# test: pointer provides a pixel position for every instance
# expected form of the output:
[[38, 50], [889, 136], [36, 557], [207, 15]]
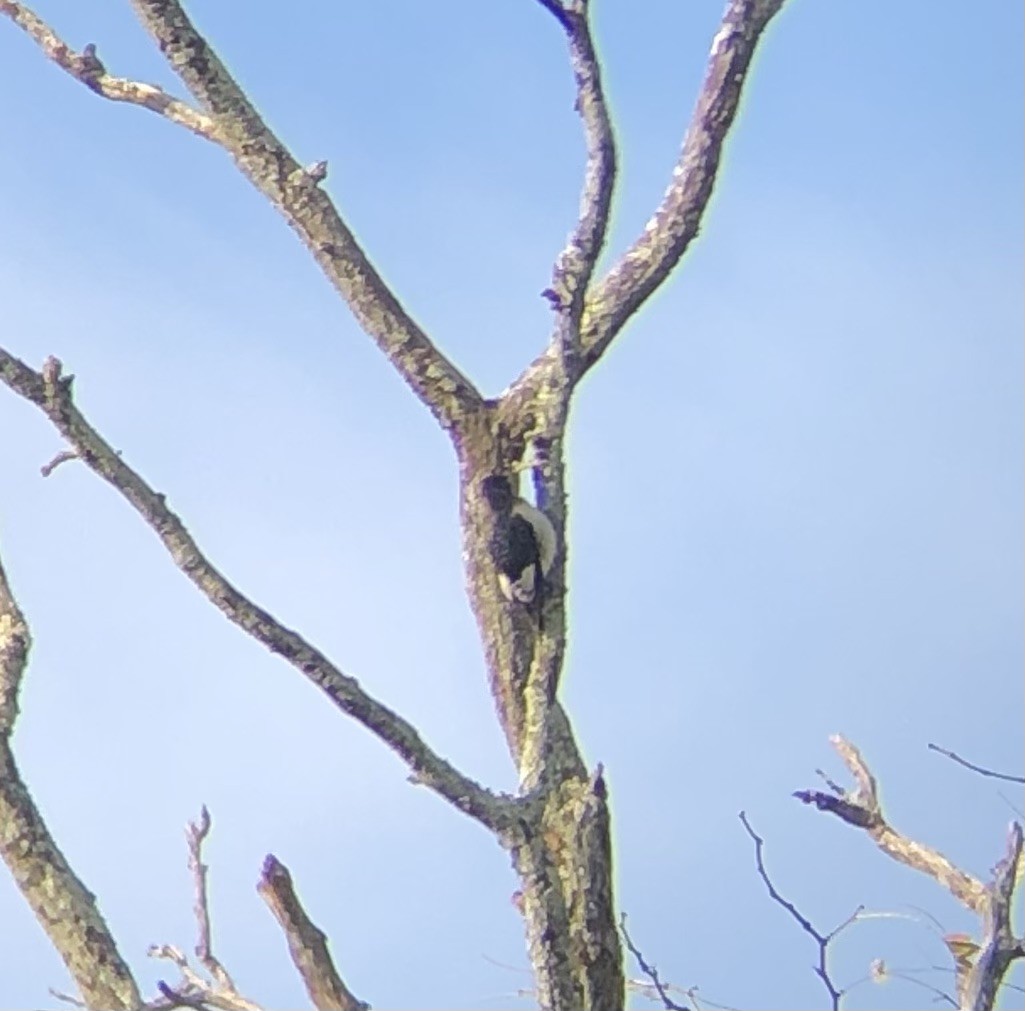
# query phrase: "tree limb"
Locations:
[[51, 392], [666, 236], [862, 809], [307, 943], [271, 168], [611, 301], [999, 946], [231, 121], [87, 68], [575, 264], [65, 908]]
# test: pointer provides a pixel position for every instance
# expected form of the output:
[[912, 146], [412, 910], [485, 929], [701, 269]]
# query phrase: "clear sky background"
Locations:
[[796, 483]]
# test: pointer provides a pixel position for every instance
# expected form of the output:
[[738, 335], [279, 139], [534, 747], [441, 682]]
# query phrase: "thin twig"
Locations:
[[193, 990], [195, 835], [62, 457], [822, 940], [649, 970], [976, 768], [66, 998], [87, 68]]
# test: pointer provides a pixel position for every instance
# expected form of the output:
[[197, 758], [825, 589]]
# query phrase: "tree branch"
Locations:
[[666, 236], [271, 168], [87, 68], [611, 301], [65, 908], [195, 835], [51, 392], [575, 264], [661, 989], [822, 940], [193, 990], [999, 945], [862, 809], [558, 11], [976, 768], [232, 122], [307, 943]]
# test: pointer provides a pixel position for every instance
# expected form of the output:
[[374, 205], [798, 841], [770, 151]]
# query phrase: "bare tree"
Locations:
[[556, 828]]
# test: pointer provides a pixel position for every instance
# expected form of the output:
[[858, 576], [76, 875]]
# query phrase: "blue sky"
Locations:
[[796, 483]]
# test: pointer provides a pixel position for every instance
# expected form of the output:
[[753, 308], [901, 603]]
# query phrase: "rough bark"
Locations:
[[557, 829]]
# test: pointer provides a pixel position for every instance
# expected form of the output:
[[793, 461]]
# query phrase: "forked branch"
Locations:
[[87, 68], [231, 121], [862, 809], [666, 236], [51, 392], [978, 978], [609, 302], [823, 941]]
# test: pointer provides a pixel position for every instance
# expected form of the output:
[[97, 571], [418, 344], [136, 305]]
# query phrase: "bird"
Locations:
[[524, 544]]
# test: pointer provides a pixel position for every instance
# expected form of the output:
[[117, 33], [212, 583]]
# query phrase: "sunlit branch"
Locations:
[[670, 230], [296, 193], [87, 68], [862, 809], [307, 943], [65, 908], [51, 392], [576, 262]]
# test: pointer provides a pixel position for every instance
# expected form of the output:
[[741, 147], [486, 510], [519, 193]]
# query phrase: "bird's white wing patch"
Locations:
[[543, 531]]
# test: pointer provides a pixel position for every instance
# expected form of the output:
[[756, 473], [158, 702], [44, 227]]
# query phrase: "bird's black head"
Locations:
[[498, 492]]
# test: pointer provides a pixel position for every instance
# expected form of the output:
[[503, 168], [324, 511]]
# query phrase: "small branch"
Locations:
[[862, 809], [66, 998], [649, 970], [575, 263], [666, 236], [880, 973], [307, 943], [999, 946], [559, 12], [275, 172], [195, 835], [822, 940], [65, 908], [63, 457], [194, 991], [51, 392], [231, 121], [87, 68], [976, 768]]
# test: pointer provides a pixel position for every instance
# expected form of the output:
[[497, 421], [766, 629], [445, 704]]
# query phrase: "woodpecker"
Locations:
[[524, 543]]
